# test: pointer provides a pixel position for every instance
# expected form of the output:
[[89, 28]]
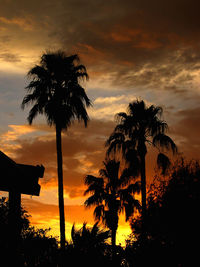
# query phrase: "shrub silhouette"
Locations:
[[37, 248], [172, 220]]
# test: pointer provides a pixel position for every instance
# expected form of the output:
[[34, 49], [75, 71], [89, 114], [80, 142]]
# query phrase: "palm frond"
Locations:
[[120, 117], [163, 163], [55, 83], [28, 99], [125, 177], [37, 72], [89, 179], [134, 188], [136, 108], [130, 207], [33, 113], [95, 185], [112, 171], [93, 200], [114, 143], [164, 141], [132, 158], [157, 127], [153, 111], [99, 212]]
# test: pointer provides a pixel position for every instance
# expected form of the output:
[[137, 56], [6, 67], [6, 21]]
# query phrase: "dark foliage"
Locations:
[[36, 248], [88, 247], [172, 221]]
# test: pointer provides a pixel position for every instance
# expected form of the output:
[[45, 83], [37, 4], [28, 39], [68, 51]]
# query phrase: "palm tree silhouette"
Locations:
[[55, 91], [88, 247], [139, 127], [112, 194], [89, 238]]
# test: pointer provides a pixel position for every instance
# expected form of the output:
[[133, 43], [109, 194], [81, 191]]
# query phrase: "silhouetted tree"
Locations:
[[39, 248], [141, 125], [55, 91], [172, 220], [5, 240], [88, 247], [111, 193], [90, 238], [36, 249]]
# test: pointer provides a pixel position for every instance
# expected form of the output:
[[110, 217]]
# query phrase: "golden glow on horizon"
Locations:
[[122, 233]]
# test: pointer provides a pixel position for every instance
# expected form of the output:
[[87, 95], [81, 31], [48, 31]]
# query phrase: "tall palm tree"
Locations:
[[111, 193], [55, 91], [139, 127]]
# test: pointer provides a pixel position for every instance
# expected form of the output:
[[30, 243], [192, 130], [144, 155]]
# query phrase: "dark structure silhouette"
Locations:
[[112, 193], [17, 179], [141, 125], [56, 92]]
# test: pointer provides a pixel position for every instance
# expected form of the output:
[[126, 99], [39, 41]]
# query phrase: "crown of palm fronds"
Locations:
[[55, 90]]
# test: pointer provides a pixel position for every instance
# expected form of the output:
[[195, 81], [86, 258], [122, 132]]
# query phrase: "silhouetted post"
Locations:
[[144, 205], [17, 179], [14, 224]]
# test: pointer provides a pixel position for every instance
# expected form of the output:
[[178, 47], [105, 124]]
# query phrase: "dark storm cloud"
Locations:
[[187, 132], [139, 43]]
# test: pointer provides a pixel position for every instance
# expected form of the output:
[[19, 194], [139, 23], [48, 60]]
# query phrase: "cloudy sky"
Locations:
[[138, 49]]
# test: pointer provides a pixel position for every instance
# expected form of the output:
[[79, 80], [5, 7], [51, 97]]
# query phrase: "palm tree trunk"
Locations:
[[60, 186], [143, 190], [143, 185], [113, 237], [113, 241]]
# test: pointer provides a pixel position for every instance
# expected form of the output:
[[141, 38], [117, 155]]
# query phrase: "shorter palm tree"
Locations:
[[88, 247], [89, 238], [112, 193]]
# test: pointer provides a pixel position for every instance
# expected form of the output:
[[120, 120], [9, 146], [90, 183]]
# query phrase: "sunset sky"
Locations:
[[137, 49]]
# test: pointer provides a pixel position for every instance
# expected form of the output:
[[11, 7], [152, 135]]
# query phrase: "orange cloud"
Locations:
[[24, 23], [83, 152]]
